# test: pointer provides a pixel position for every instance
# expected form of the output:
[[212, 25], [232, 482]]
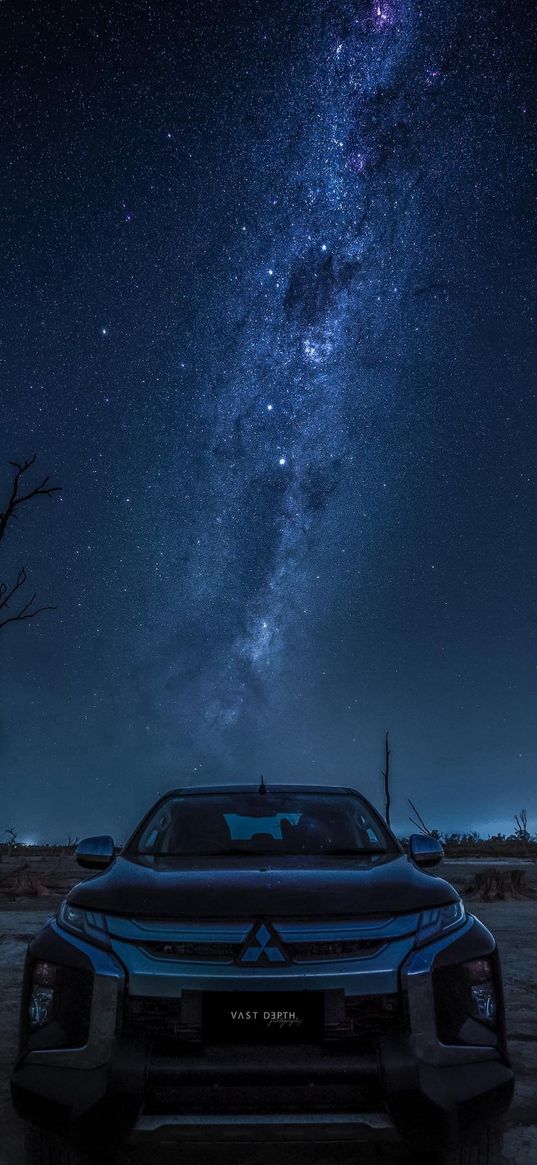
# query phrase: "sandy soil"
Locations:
[[515, 927]]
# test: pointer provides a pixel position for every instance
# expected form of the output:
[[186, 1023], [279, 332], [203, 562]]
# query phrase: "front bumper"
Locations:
[[403, 1084]]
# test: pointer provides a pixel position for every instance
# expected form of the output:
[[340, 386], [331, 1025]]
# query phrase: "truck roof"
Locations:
[[253, 787]]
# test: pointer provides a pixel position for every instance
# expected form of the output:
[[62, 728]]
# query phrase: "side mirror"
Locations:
[[425, 850], [95, 853]]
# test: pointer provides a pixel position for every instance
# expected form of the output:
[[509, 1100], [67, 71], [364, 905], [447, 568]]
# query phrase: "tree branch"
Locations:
[[6, 595], [420, 822], [16, 498], [25, 613]]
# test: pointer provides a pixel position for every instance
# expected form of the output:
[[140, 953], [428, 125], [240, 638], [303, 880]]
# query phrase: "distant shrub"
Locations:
[[471, 844]]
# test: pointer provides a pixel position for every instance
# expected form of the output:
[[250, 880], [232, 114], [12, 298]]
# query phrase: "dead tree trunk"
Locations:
[[22, 883], [498, 884], [386, 775]]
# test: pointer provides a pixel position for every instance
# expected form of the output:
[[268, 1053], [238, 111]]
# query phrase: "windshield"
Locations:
[[251, 823]]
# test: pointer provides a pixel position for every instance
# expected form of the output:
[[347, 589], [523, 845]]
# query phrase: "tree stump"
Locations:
[[23, 884], [496, 884]]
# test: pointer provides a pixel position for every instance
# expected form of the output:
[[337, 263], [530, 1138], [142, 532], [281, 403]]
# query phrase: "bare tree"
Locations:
[[386, 775], [13, 608], [12, 833], [418, 820], [521, 821]]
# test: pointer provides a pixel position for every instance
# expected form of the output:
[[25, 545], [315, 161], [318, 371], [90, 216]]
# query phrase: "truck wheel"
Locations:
[[486, 1150], [46, 1148]]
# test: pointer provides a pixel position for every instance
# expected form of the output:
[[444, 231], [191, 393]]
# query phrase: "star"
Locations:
[[383, 15], [358, 162]]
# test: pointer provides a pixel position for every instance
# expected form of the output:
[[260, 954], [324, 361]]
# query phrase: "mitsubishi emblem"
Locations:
[[262, 946]]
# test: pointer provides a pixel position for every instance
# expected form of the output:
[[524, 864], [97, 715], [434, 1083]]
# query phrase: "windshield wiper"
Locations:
[[214, 853], [235, 851], [359, 853], [251, 853]]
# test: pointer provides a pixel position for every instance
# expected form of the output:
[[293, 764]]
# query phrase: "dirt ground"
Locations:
[[515, 927]]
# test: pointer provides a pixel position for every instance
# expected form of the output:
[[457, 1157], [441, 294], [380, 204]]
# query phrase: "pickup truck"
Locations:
[[262, 964]]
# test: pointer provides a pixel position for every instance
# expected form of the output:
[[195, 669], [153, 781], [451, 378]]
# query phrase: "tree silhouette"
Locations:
[[13, 607], [386, 775], [521, 821]]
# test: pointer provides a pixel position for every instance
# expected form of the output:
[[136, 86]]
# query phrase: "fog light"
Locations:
[[41, 1006], [480, 977], [484, 1002]]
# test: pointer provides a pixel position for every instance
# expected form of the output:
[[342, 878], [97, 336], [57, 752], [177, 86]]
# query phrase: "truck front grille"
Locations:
[[163, 1020], [373, 1015], [194, 951], [299, 952], [336, 949], [246, 1098], [151, 1017]]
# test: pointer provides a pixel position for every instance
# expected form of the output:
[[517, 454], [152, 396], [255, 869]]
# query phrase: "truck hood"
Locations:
[[251, 887]]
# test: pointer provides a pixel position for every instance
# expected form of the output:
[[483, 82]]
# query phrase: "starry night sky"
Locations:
[[268, 317]]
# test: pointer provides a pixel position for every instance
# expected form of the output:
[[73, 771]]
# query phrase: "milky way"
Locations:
[[268, 316], [322, 270]]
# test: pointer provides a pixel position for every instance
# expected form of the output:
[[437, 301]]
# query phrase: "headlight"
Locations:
[[71, 917], [483, 1001], [87, 923], [439, 920]]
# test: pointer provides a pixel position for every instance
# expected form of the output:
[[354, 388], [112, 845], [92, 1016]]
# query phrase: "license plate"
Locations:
[[259, 1018]]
